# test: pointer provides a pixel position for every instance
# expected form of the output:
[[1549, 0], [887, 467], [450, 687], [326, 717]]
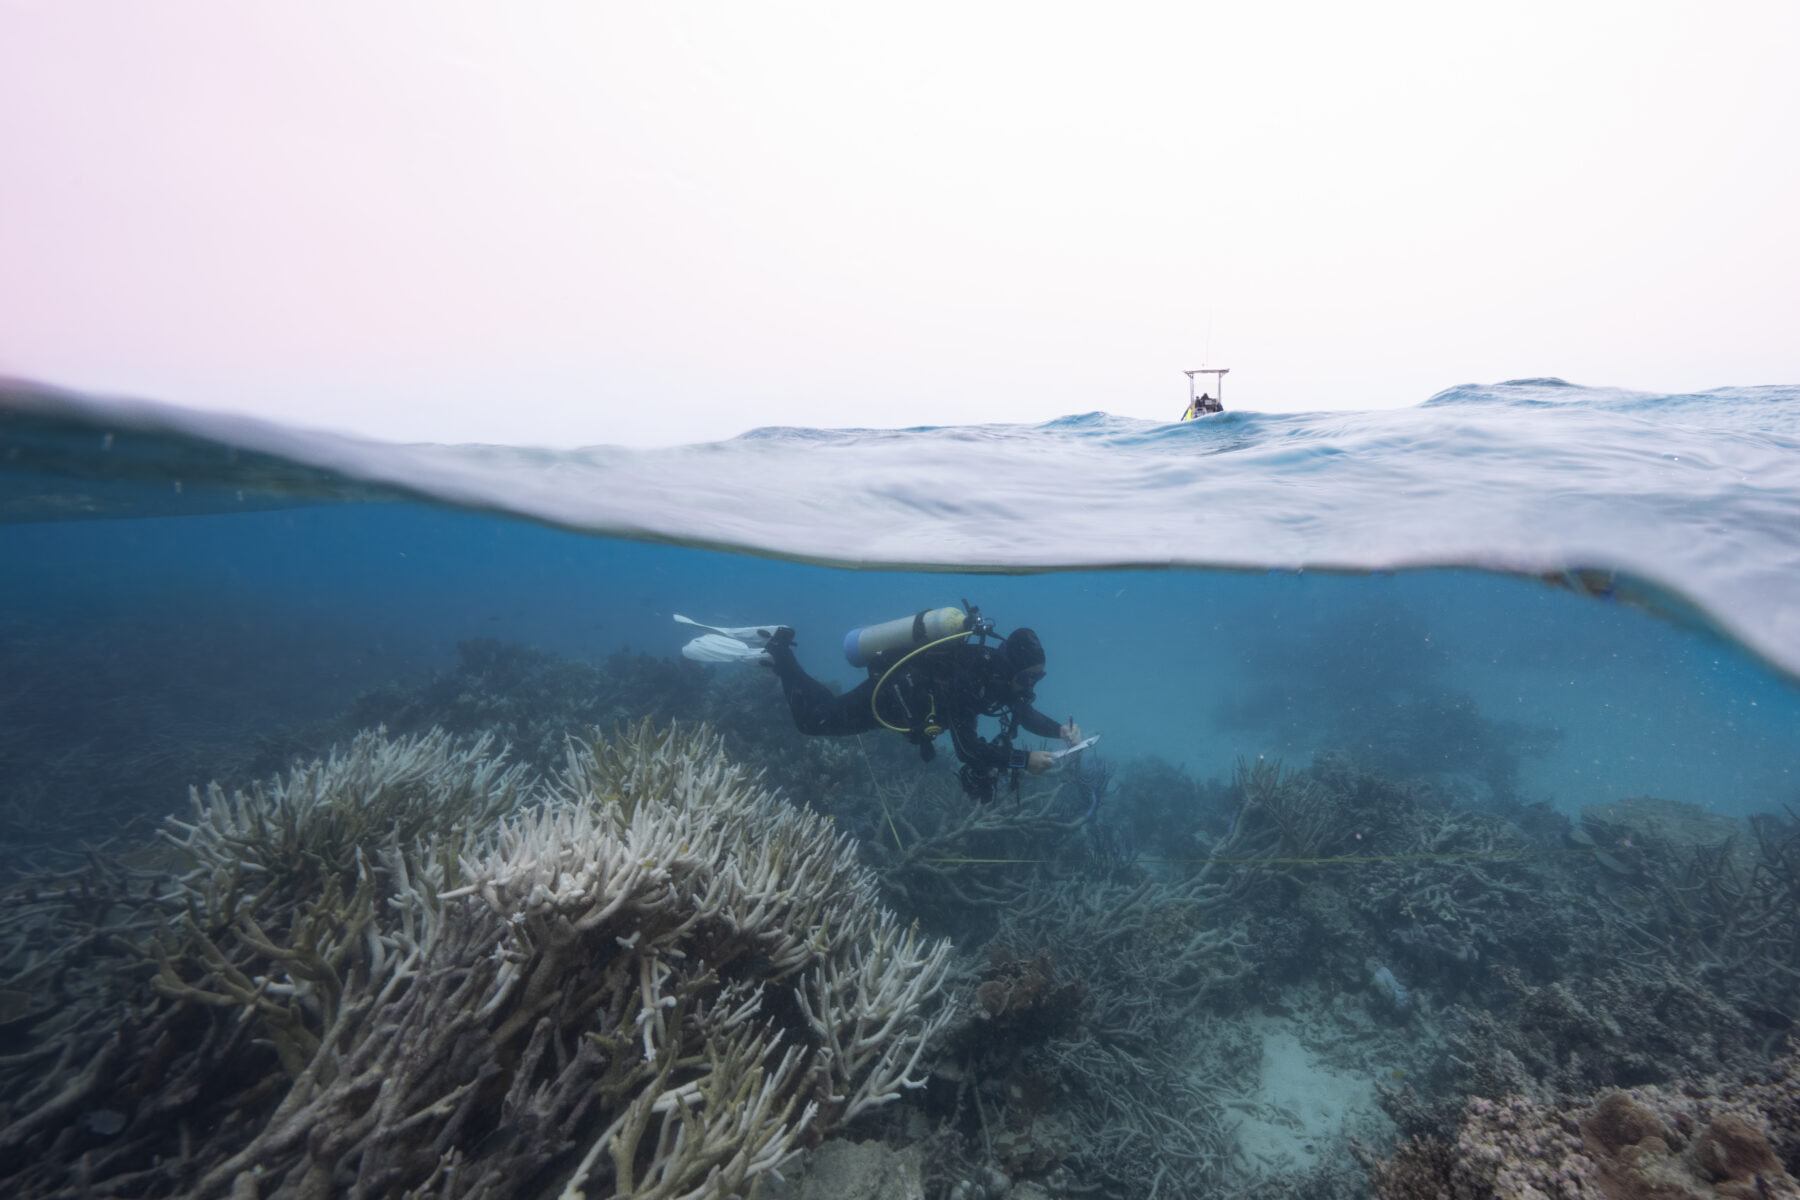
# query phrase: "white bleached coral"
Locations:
[[649, 977], [656, 845], [378, 790]]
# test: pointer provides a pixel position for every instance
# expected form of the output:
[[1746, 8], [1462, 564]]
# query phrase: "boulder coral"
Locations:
[[1717, 1140]]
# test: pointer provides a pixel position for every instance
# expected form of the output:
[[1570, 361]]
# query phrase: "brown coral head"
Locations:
[[1617, 1122], [993, 995], [1014, 983], [1733, 1148]]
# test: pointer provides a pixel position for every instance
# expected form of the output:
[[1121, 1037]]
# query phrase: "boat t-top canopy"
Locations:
[[1218, 392]]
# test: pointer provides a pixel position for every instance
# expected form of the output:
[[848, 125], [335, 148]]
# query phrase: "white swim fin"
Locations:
[[750, 635], [741, 644]]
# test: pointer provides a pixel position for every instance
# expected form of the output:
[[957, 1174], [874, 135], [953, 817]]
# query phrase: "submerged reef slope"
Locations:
[[411, 964], [411, 969]]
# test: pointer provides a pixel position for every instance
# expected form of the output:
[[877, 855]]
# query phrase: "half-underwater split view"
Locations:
[[452, 821]]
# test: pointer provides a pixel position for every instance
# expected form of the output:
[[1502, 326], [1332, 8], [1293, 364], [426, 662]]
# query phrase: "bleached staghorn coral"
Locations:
[[656, 851], [377, 792], [864, 1002], [654, 980], [296, 871], [275, 958]]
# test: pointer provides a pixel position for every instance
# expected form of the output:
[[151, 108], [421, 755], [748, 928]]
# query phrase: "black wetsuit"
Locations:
[[946, 689]]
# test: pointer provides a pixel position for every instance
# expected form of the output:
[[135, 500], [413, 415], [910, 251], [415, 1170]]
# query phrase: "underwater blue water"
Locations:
[[1173, 571]]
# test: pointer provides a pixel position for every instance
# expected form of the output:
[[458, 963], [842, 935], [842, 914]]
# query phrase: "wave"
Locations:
[[1687, 504]]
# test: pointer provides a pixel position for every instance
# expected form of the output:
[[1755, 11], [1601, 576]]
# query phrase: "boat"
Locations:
[[1202, 404]]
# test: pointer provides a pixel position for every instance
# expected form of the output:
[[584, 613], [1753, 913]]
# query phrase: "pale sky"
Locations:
[[568, 223]]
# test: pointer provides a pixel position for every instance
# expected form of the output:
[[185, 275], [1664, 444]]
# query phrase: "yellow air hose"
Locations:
[[876, 694]]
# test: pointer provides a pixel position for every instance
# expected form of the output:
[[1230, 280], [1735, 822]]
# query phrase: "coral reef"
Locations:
[[1717, 897], [403, 970], [845, 1170], [1615, 1028], [1016, 991], [1105, 1076], [1507, 969], [947, 859], [1732, 1139], [501, 961]]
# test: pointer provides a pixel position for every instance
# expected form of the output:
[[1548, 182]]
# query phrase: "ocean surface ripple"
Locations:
[[1688, 504]]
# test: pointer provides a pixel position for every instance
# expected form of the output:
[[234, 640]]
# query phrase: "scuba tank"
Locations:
[[890, 646], [863, 644]]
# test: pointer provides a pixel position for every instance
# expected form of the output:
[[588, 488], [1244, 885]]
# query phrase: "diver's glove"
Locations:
[[1034, 762], [778, 652]]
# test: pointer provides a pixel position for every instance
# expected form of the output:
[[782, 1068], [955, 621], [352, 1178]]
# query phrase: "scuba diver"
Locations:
[[926, 677]]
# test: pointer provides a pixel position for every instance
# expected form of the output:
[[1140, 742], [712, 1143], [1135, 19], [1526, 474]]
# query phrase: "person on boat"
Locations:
[[1200, 406], [941, 690]]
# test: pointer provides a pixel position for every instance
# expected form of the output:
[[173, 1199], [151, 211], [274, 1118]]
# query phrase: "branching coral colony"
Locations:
[[406, 970]]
